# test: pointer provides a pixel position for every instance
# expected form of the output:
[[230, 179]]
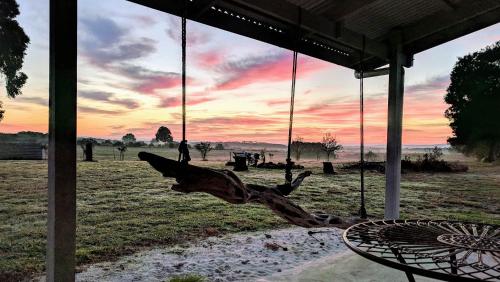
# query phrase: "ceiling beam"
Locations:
[[289, 13], [445, 26], [337, 10], [220, 16]]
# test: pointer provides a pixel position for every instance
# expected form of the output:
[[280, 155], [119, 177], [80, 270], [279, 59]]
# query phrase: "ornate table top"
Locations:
[[446, 250]]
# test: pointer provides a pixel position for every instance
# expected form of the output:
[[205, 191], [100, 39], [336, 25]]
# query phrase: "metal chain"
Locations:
[[362, 210], [183, 146], [288, 172], [288, 168]]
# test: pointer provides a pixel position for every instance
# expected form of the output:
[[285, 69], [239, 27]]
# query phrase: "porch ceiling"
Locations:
[[334, 30]]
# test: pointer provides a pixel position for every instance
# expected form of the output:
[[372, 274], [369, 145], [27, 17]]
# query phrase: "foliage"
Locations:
[[14, 42], [219, 146], [263, 152], [164, 135], [474, 99], [434, 155], [2, 111], [25, 136], [203, 148], [297, 147], [371, 156], [128, 138], [83, 144], [330, 146]]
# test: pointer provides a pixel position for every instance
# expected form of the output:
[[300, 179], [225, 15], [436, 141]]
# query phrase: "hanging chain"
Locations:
[[289, 164], [183, 78], [288, 172], [183, 145], [362, 210]]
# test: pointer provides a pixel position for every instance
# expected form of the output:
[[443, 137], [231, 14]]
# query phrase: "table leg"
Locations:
[[400, 258]]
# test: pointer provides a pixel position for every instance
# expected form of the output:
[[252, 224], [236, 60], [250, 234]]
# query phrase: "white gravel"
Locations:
[[242, 257]]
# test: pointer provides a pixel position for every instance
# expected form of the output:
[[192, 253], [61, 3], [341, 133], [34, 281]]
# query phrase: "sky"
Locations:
[[129, 63]]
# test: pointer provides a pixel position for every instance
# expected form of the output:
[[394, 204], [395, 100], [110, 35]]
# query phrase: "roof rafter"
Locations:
[[445, 26]]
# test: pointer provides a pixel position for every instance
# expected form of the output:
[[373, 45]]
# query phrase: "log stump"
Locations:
[[240, 163], [328, 168], [89, 155]]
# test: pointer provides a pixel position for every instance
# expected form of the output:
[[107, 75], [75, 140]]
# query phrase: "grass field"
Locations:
[[125, 206]]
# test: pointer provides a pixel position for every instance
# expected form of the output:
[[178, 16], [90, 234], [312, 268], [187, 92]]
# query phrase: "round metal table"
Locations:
[[445, 250]]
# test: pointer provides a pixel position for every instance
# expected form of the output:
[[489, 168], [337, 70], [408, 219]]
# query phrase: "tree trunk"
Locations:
[[88, 152], [328, 168]]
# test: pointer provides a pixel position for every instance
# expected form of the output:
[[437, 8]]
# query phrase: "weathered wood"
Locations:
[[225, 185], [60, 258], [394, 133]]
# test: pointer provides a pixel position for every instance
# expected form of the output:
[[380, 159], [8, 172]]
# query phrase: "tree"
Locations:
[[371, 156], [219, 146], [87, 145], [263, 152], [203, 148], [121, 147], [330, 146], [12, 49], [474, 99], [164, 135], [297, 147], [128, 138], [1, 111]]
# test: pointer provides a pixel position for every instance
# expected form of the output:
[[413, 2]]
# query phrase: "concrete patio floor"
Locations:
[[345, 267]]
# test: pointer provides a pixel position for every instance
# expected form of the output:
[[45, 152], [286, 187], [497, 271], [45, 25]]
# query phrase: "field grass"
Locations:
[[125, 206]]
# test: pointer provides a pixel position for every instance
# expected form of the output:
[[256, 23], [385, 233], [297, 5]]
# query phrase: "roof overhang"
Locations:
[[341, 31]]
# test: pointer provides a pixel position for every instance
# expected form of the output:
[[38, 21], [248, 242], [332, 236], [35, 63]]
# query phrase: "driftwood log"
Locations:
[[224, 184]]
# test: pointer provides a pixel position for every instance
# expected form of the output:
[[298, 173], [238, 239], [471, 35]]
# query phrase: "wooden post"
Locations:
[[60, 260], [394, 133]]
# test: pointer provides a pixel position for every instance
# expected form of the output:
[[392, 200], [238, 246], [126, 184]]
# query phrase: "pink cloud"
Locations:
[[269, 68], [209, 59], [155, 83], [170, 102]]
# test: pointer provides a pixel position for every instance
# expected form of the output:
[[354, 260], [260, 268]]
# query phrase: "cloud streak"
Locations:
[[109, 98], [274, 67]]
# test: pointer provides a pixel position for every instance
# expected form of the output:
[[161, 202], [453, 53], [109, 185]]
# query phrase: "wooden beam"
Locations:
[[394, 133], [467, 17], [60, 257]]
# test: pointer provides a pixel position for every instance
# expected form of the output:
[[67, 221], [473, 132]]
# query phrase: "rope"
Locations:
[[288, 172], [288, 168], [362, 210], [184, 157]]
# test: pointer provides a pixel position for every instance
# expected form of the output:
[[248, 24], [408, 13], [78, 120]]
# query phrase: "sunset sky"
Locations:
[[238, 88]]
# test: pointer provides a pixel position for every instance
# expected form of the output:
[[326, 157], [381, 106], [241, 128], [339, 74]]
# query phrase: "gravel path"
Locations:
[[242, 257]]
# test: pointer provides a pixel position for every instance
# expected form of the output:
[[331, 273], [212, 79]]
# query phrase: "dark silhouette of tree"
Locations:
[[297, 147], [474, 99], [128, 138], [203, 148], [330, 146], [12, 49], [121, 147], [164, 135], [371, 156], [1, 111], [87, 144]]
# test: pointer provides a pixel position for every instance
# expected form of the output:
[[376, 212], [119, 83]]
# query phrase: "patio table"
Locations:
[[439, 249]]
